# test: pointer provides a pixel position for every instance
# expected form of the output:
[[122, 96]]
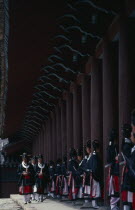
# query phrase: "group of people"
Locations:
[[81, 177]]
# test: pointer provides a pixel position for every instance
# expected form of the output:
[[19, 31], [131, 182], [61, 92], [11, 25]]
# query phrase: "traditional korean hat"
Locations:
[[80, 152], [88, 144], [72, 153], [64, 158], [58, 161], [126, 130], [34, 158], [113, 135], [51, 163], [24, 155], [40, 156], [95, 144]]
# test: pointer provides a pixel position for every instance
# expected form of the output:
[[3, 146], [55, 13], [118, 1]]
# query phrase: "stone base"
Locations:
[[48, 204]]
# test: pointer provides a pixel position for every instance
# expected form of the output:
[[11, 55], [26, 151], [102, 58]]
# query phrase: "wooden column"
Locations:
[[96, 100], [54, 139], [69, 120], [110, 97], [77, 115], [63, 127], [58, 132], [124, 75], [86, 108]]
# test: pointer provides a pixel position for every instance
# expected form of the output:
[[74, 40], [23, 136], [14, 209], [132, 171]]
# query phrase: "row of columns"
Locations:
[[98, 101]]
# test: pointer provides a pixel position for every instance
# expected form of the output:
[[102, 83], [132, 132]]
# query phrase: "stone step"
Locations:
[[9, 204], [48, 204]]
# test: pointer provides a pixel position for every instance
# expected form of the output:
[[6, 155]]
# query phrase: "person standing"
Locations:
[[113, 165], [127, 146], [33, 164], [40, 178], [25, 173], [51, 183], [72, 169], [96, 174]]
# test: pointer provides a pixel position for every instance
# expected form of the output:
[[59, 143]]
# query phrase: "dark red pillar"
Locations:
[[58, 132], [96, 100], [124, 75], [86, 107], [54, 139], [63, 127], [77, 115], [69, 120], [49, 139], [110, 96]]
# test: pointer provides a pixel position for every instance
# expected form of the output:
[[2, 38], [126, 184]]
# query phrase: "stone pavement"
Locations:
[[48, 204], [8, 204]]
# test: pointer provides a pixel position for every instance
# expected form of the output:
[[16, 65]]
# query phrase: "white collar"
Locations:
[[89, 157], [80, 163], [133, 149], [40, 165], [25, 165], [127, 140]]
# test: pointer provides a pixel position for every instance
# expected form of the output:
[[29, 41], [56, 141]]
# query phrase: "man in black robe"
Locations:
[[113, 166], [41, 178], [25, 173], [73, 179], [127, 146], [51, 171], [33, 165]]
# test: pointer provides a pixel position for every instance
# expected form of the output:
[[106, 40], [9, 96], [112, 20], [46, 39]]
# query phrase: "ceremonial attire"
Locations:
[[126, 182], [41, 180], [52, 186], [25, 181], [34, 186], [113, 177], [58, 178], [64, 179], [86, 178], [73, 182], [81, 170]]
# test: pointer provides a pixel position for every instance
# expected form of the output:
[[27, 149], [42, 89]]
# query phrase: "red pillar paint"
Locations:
[[77, 115], [96, 101], [86, 98], [63, 128], [110, 96], [58, 131], [69, 119]]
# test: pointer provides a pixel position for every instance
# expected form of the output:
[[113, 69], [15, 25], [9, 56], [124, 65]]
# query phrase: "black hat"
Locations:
[[88, 144], [24, 155], [64, 158], [80, 152], [95, 144], [113, 135], [51, 163], [126, 129], [72, 153], [34, 158], [133, 117], [40, 156], [58, 161]]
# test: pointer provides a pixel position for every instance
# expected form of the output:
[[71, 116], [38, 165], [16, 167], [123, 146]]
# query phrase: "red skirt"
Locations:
[[24, 190], [129, 197]]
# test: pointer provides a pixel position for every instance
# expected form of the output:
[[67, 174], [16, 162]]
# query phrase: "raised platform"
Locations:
[[48, 204], [8, 204]]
